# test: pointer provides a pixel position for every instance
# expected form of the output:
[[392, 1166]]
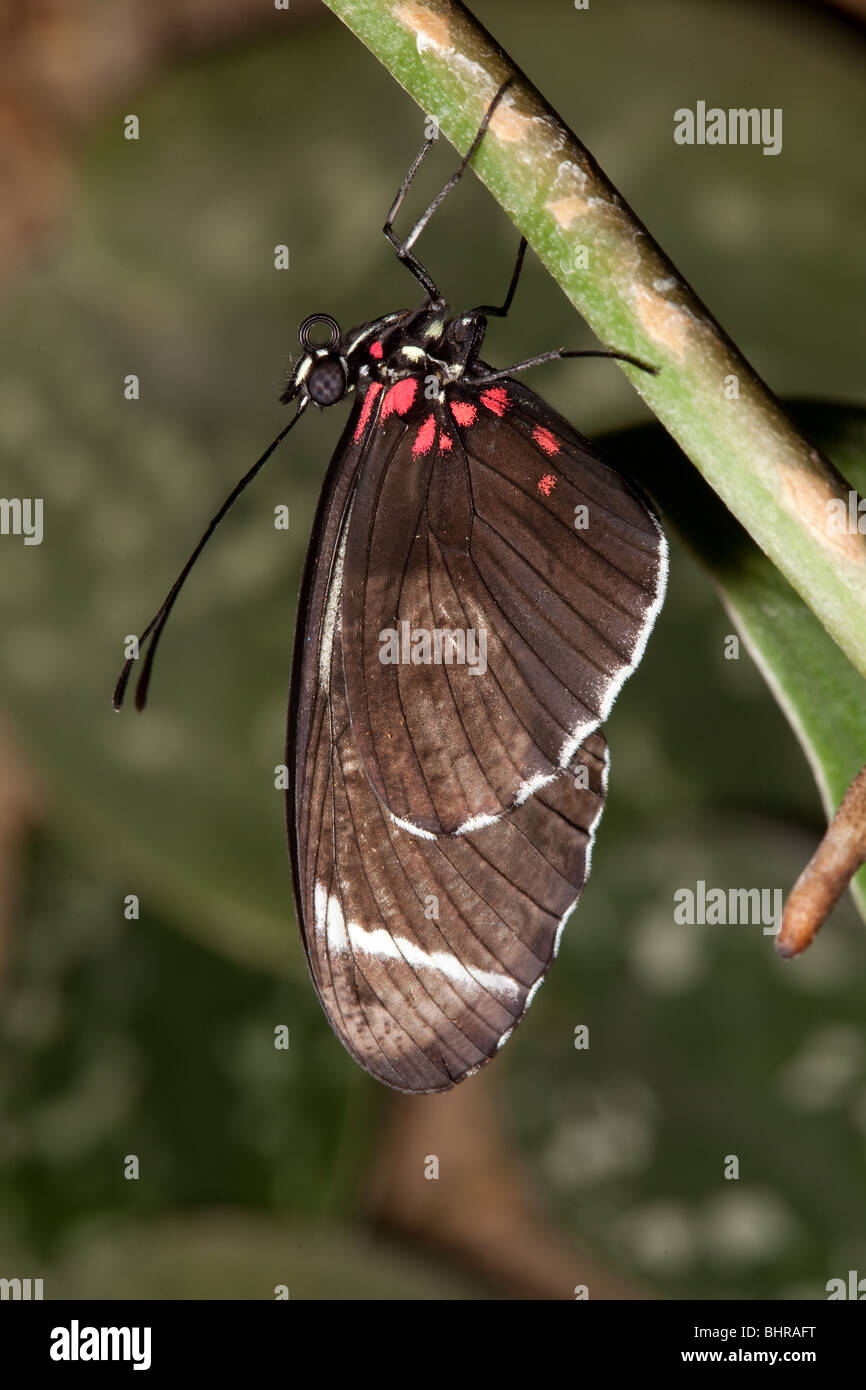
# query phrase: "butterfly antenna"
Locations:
[[153, 631]]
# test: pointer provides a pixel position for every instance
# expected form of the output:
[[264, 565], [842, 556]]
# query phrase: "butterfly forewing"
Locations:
[[319, 602], [494, 530]]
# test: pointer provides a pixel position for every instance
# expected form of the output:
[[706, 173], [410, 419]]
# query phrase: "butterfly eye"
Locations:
[[326, 383]]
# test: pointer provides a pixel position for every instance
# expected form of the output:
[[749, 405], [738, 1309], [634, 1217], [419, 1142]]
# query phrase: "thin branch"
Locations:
[[828, 873]]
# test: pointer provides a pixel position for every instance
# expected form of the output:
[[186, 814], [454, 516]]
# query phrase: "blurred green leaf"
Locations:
[[821, 693], [702, 1044], [122, 1036], [234, 1255]]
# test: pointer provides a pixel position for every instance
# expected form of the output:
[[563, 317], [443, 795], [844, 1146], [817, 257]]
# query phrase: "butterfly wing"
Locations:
[[490, 519], [425, 952]]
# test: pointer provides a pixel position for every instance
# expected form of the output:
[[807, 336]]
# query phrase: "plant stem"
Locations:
[[828, 873], [706, 394]]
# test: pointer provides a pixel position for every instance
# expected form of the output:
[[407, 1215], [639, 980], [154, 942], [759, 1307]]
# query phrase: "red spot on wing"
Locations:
[[463, 412], [545, 440], [496, 399], [446, 443], [372, 392], [547, 484], [399, 397], [424, 438], [376, 350]]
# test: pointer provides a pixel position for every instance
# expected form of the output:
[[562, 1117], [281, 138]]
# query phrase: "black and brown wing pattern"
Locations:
[[494, 521], [427, 952], [426, 948]]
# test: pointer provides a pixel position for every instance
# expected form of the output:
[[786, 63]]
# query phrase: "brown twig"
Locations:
[[828, 873], [482, 1211]]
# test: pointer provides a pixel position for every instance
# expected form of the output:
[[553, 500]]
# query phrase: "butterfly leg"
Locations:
[[558, 355], [500, 310], [403, 246]]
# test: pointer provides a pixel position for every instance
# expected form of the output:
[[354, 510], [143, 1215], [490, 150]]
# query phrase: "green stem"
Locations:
[[706, 394]]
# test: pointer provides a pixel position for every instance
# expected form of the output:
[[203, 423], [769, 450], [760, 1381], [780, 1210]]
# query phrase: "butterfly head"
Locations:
[[322, 375]]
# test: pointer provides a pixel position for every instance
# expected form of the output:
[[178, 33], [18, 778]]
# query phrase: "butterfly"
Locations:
[[478, 586]]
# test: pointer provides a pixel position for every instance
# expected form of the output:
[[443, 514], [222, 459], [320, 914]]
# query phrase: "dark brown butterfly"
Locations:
[[478, 586]]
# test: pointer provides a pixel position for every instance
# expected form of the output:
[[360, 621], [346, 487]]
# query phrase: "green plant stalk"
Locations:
[[705, 394]]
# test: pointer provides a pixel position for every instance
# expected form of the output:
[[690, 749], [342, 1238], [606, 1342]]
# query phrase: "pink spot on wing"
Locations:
[[372, 392], [547, 484], [376, 350], [545, 440], [463, 412], [398, 397], [496, 399], [424, 438], [446, 443]]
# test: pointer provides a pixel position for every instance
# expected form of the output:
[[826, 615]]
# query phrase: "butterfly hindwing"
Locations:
[[426, 953]]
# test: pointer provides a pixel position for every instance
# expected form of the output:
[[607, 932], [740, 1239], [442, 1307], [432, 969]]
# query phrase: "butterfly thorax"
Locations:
[[426, 342]]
